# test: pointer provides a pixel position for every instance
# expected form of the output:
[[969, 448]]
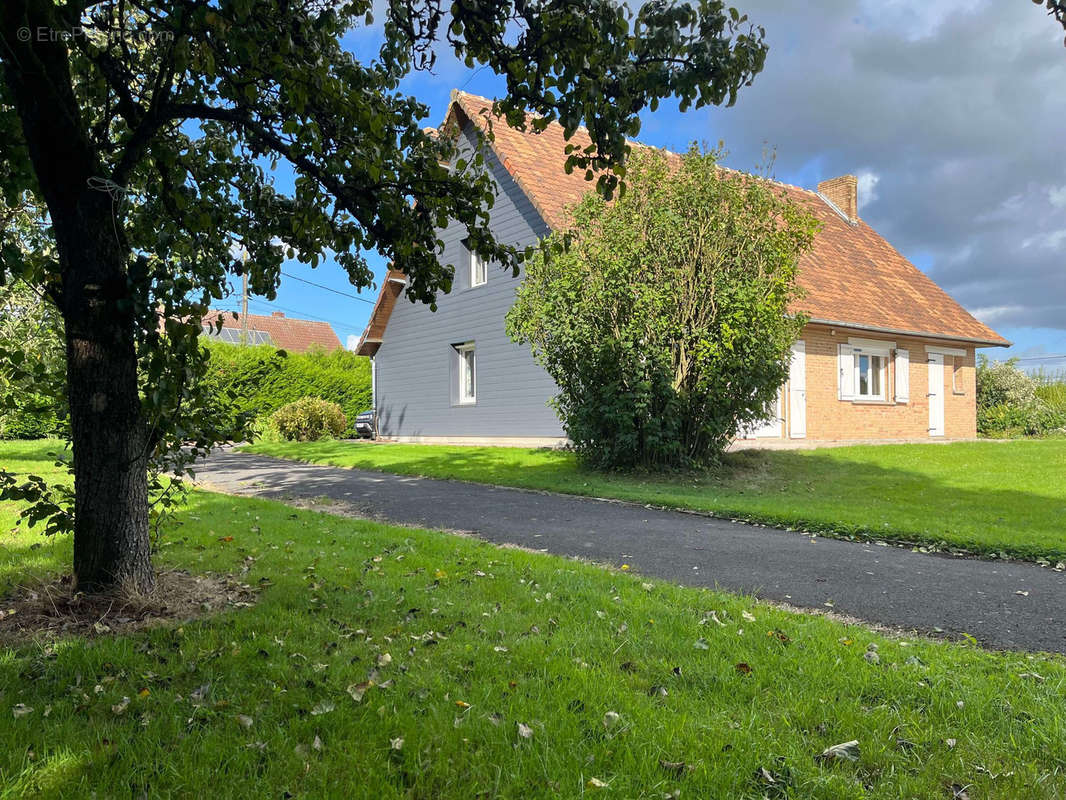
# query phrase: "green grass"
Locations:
[[522, 638], [983, 497]]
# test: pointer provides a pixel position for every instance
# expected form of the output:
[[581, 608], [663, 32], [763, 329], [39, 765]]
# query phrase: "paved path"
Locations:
[[886, 585]]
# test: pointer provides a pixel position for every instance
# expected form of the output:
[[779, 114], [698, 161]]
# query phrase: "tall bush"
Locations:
[[665, 321], [262, 379], [1011, 402]]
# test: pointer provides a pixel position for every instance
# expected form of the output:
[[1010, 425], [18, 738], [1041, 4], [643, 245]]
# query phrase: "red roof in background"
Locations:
[[851, 276], [286, 333]]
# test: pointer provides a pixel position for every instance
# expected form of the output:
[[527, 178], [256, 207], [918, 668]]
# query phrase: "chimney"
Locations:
[[277, 314], [843, 192]]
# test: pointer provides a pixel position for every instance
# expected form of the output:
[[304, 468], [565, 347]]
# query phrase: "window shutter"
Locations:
[[845, 372], [903, 376]]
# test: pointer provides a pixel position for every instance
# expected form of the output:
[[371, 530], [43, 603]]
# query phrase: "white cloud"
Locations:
[[994, 314], [1052, 240], [868, 181], [1057, 196]]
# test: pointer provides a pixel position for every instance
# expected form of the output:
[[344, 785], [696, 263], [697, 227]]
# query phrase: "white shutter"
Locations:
[[845, 372], [797, 391], [903, 376]]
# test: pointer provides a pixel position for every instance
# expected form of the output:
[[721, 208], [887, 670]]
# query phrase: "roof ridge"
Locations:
[[636, 143]]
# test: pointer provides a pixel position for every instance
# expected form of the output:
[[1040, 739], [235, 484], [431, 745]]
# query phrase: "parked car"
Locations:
[[366, 424]]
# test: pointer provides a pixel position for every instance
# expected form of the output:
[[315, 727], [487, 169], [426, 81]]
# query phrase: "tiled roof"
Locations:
[[851, 276], [286, 333]]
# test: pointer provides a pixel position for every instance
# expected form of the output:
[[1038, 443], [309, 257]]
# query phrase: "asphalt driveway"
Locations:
[[1013, 605]]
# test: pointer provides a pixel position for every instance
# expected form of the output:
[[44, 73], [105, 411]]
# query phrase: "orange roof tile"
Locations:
[[851, 277], [286, 333]]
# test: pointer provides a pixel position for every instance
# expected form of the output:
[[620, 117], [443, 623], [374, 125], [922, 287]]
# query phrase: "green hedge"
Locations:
[[263, 379]]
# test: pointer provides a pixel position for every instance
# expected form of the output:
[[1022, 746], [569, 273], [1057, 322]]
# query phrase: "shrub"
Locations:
[[1011, 402], [259, 380], [1002, 383], [665, 321], [309, 419]]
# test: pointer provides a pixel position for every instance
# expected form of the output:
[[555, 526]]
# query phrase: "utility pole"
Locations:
[[244, 298]]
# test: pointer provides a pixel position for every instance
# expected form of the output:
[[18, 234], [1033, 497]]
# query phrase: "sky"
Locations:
[[951, 113]]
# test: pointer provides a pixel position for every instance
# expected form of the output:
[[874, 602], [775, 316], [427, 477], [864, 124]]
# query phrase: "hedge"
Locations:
[[263, 379]]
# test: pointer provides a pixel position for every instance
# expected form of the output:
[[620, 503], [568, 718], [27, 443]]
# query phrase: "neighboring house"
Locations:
[[285, 333], [887, 354]]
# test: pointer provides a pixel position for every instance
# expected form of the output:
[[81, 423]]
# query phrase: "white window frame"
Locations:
[[462, 350], [882, 360], [479, 270]]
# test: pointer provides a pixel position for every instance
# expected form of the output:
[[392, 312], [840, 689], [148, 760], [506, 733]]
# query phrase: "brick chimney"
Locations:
[[843, 192], [277, 314]]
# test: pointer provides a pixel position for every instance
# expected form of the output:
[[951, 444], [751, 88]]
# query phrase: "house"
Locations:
[[284, 333], [887, 354]]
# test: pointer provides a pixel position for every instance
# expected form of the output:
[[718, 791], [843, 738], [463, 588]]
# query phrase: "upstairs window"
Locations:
[[479, 273]]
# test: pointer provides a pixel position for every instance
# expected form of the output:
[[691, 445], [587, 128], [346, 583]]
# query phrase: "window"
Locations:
[[869, 377], [864, 370], [478, 270], [956, 370], [467, 373]]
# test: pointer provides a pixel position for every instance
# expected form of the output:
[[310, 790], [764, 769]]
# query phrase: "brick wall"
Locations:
[[830, 419]]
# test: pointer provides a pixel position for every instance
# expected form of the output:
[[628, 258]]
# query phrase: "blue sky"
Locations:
[[933, 105]]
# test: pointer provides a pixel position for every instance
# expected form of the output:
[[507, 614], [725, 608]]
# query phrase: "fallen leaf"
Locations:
[[317, 743], [951, 743], [462, 704], [701, 644], [959, 792], [397, 743], [872, 657], [525, 731], [357, 690], [845, 750], [743, 668], [748, 616], [322, 708], [245, 721], [384, 660], [21, 710], [199, 694], [611, 718], [121, 706], [596, 783]]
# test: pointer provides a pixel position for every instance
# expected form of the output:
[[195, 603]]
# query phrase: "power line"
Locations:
[[269, 305], [327, 288], [1048, 357]]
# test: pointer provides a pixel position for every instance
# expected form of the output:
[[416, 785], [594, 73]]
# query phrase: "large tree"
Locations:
[[152, 132]]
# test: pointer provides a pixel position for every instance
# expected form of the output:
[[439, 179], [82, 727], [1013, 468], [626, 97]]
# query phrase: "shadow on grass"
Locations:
[[978, 497]]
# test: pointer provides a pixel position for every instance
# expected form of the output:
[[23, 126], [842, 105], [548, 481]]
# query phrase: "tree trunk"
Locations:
[[112, 546]]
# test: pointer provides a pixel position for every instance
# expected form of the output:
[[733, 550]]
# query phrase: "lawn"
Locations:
[[496, 673], [983, 497]]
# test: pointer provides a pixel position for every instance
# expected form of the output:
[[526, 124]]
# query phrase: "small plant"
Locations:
[[309, 419]]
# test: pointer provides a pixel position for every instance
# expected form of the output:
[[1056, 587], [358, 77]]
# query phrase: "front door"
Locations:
[[769, 428], [936, 394]]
